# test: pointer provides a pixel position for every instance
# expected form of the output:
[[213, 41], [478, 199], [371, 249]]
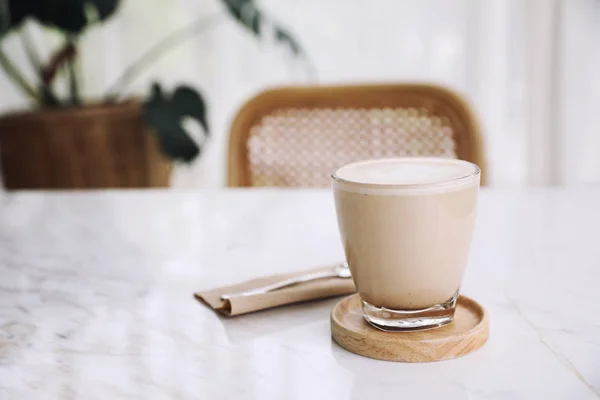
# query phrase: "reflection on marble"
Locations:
[[96, 299]]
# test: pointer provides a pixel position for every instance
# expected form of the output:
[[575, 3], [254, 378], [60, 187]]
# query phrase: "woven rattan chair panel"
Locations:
[[301, 146], [296, 137]]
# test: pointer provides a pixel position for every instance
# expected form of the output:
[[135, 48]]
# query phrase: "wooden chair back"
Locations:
[[297, 136]]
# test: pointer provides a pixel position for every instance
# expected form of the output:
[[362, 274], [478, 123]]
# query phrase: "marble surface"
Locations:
[[96, 299]]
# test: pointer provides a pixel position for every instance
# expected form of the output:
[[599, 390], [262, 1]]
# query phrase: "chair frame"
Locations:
[[436, 99]]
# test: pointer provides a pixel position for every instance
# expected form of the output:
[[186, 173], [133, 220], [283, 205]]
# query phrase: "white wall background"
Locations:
[[529, 67]]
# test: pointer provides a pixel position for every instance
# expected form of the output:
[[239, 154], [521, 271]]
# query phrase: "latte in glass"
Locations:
[[406, 226]]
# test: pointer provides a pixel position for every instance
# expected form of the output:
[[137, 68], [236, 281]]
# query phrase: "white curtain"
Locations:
[[527, 66]]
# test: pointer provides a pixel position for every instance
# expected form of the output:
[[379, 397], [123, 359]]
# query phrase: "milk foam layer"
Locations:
[[406, 176]]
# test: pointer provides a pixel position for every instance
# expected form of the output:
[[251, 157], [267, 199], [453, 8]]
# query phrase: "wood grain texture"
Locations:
[[437, 100], [468, 332], [92, 147]]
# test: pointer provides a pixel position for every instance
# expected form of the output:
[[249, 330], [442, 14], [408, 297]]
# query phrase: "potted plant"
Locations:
[[74, 142]]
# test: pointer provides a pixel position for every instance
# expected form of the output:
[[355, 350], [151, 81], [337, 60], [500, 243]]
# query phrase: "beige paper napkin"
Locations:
[[317, 289]]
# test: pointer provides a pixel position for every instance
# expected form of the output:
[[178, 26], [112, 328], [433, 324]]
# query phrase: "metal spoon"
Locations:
[[340, 271]]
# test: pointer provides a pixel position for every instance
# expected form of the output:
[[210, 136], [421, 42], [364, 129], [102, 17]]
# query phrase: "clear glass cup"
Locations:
[[406, 226]]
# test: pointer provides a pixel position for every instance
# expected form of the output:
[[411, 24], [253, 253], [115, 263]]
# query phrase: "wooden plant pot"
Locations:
[[102, 146]]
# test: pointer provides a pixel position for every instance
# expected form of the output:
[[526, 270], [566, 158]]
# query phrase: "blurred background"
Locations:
[[529, 68]]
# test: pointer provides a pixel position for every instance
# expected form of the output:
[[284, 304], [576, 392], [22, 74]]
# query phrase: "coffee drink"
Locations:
[[406, 226]]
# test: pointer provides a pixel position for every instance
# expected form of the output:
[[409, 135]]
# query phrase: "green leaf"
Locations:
[[284, 36], [105, 8], [14, 12], [70, 16], [252, 18], [165, 116], [246, 13], [190, 103]]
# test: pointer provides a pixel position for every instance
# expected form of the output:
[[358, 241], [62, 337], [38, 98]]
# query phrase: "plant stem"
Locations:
[[56, 61], [47, 97], [12, 71], [4, 16], [310, 69], [309, 66], [30, 50], [73, 87], [73, 84], [165, 45]]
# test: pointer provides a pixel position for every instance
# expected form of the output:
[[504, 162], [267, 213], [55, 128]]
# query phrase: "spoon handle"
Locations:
[[282, 284]]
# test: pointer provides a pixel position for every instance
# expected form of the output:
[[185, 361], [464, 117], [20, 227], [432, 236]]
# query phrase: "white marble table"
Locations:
[[96, 300]]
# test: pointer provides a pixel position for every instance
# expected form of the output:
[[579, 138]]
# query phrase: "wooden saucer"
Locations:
[[468, 332]]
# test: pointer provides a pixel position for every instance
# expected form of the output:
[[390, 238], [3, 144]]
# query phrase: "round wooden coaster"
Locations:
[[468, 332]]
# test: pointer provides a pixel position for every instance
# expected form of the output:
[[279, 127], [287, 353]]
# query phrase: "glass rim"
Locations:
[[476, 173]]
